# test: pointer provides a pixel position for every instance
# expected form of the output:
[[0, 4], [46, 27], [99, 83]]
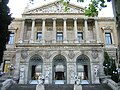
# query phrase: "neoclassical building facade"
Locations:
[[61, 46]]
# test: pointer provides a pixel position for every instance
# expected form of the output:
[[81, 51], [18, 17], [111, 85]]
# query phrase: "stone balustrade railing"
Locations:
[[6, 84], [112, 84]]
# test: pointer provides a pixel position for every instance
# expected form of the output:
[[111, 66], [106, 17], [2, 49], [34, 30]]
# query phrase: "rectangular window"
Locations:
[[59, 36], [11, 38], [39, 36], [108, 38], [80, 36]]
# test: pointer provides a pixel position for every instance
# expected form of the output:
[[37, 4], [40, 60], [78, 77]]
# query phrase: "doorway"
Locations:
[[83, 69], [59, 76], [59, 69]]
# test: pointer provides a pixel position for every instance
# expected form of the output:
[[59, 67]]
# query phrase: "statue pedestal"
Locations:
[[47, 81], [72, 81], [40, 87]]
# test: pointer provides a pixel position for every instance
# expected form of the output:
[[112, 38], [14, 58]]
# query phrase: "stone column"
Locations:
[[22, 32], [64, 31], [43, 30], [86, 30], [32, 31], [97, 31], [54, 30], [75, 29]]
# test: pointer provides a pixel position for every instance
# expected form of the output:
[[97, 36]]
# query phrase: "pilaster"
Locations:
[[22, 32]]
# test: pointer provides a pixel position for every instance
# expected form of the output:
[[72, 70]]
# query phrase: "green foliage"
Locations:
[[5, 20], [92, 11], [93, 8], [65, 3], [110, 67]]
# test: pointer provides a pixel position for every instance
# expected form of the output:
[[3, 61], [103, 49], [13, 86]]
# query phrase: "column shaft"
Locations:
[[86, 30], [54, 30], [65, 31], [75, 29], [97, 31], [43, 31], [32, 31]]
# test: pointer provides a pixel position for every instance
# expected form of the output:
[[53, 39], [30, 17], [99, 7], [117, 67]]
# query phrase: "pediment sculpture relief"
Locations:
[[56, 7]]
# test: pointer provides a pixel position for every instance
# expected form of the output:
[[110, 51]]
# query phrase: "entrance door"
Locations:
[[59, 76], [33, 72], [59, 70]]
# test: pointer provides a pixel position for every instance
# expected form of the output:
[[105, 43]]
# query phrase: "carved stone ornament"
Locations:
[[106, 28], [24, 54], [94, 54], [47, 54], [56, 7], [71, 54]]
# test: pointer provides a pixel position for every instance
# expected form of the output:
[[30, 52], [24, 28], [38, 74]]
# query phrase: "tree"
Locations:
[[5, 20], [93, 8], [110, 67]]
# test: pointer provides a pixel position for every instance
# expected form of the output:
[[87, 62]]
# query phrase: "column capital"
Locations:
[[85, 18], [96, 18], [75, 18], [33, 19], [43, 18], [54, 18], [64, 19]]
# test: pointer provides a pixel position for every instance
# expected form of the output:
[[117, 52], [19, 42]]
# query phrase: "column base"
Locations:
[[21, 81], [53, 41], [76, 41], [65, 41], [31, 41], [20, 41], [43, 41]]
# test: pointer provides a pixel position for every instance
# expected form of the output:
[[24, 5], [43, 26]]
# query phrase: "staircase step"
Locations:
[[59, 87], [96, 87], [22, 87]]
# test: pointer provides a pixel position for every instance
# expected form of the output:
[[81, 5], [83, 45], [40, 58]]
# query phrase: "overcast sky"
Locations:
[[17, 7]]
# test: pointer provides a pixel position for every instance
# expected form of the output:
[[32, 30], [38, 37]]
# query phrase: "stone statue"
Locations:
[[22, 70], [96, 71], [96, 76], [39, 78]]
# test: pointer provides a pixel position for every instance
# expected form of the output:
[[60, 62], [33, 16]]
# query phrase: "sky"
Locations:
[[17, 7]]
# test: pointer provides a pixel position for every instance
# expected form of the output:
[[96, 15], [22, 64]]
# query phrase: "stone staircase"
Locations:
[[22, 87], [1, 81], [59, 87], [96, 87]]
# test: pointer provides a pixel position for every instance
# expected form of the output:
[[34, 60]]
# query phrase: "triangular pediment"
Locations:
[[55, 7]]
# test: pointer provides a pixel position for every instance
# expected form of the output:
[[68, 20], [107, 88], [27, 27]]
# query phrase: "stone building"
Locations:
[[62, 46]]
